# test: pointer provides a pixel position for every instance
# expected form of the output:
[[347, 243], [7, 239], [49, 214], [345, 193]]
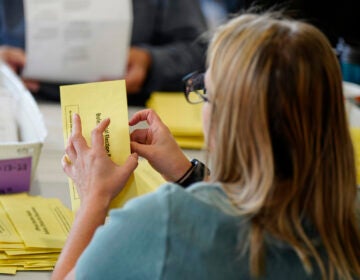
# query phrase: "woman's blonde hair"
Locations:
[[283, 148]]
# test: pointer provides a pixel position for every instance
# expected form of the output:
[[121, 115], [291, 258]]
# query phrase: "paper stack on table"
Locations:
[[33, 231], [182, 118]]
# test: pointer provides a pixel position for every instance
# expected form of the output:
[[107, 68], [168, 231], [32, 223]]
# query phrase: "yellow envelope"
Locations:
[[8, 270], [190, 142], [147, 179], [40, 222], [8, 234], [182, 118], [94, 102], [9, 246], [32, 257], [31, 251]]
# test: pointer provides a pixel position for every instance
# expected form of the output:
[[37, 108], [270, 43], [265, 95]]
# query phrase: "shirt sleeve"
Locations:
[[132, 243]]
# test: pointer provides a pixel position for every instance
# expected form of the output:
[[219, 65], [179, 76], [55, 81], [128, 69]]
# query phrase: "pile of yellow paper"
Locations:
[[182, 118], [355, 135], [33, 231]]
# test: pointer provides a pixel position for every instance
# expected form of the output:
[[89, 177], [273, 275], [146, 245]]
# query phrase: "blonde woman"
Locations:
[[280, 202]]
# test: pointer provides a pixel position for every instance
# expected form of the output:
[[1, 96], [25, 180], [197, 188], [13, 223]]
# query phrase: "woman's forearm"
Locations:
[[87, 220]]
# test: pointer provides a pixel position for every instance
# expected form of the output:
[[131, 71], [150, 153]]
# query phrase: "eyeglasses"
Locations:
[[194, 88]]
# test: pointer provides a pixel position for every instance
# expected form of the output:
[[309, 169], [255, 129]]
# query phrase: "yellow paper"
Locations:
[[190, 142], [33, 230], [31, 257], [8, 270], [32, 251], [29, 264], [46, 268], [94, 102], [147, 179], [355, 135], [40, 222], [8, 234], [182, 118], [10, 246]]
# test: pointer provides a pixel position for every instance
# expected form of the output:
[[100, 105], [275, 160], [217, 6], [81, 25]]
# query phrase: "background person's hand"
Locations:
[[158, 146], [139, 61], [95, 175], [15, 58], [31, 85]]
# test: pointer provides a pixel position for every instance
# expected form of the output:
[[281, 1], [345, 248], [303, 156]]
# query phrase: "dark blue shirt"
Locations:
[[12, 26]]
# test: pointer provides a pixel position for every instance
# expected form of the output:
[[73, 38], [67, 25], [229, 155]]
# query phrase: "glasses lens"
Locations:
[[196, 96], [195, 88]]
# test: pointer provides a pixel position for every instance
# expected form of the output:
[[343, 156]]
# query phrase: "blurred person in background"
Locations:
[[15, 58], [166, 44]]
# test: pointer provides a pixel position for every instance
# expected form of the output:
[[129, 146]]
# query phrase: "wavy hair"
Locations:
[[284, 152]]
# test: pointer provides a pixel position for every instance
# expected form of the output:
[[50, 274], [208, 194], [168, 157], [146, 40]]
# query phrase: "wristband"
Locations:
[[196, 173]]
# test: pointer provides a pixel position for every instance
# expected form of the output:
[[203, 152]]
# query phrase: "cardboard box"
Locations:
[[19, 157]]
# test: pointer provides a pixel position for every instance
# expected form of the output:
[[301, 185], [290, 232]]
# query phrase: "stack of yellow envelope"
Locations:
[[33, 231], [182, 118], [355, 135]]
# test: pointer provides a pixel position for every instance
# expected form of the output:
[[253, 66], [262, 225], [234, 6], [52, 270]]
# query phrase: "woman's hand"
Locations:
[[158, 146], [95, 175]]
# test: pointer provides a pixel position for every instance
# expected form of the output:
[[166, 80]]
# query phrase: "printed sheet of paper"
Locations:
[[94, 102], [74, 41], [8, 233], [33, 230], [41, 223]]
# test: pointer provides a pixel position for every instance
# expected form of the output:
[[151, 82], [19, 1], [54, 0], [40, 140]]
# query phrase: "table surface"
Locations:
[[50, 180]]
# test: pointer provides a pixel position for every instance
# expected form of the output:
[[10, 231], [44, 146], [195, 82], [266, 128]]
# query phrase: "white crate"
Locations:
[[31, 128]]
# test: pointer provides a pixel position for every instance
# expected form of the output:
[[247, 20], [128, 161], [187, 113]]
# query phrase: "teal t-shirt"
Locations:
[[175, 233]]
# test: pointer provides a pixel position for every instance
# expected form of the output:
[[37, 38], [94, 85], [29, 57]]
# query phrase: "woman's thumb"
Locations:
[[139, 149], [132, 162]]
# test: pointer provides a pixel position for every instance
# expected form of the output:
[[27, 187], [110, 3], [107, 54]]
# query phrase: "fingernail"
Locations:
[[135, 155]]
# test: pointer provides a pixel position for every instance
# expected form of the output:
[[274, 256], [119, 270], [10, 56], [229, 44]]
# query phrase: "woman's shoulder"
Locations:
[[174, 193], [170, 199]]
